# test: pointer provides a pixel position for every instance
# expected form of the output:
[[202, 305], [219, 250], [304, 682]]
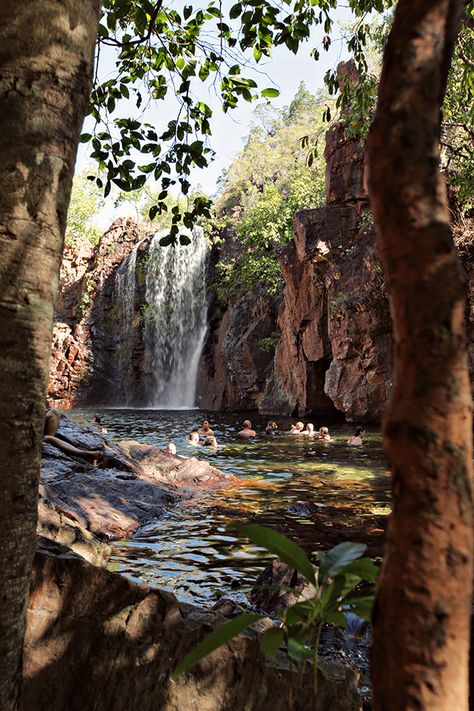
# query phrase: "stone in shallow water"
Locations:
[[299, 508]]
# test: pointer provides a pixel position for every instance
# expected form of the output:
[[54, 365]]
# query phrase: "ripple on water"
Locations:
[[191, 552]]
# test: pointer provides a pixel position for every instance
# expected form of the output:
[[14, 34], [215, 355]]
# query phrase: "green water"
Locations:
[[318, 493]]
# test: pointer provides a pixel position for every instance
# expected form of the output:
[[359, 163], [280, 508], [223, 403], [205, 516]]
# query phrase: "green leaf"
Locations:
[[85, 137], [184, 240], [335, 618], [333, 595], [362, 606], [270, 642], [235, 11], [364, 568], [338, 557], [270, 93], [299, 651], [288, 551], [166, 240], [216, 638], [299, 612], [257, 54]]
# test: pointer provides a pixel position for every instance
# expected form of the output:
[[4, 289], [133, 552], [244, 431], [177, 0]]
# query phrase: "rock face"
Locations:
[[132, 484], [235, 363], [85, 280], [95, 640], [335, 355]]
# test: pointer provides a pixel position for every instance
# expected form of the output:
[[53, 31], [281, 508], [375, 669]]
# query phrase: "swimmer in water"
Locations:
[[271, 428], [205, 429], [324, 434], [358, 438], [210, 441], [247, 431], [297, 428], [193, 439]]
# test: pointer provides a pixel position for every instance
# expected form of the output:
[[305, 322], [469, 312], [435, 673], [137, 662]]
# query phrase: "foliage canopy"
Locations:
[[161, 51], [263, 188]]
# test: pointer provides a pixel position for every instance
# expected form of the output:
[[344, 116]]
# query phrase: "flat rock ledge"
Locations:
[[95, 640], [84, 506]]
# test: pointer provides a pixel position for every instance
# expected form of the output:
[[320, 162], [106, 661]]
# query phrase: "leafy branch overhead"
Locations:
[[159, 51]]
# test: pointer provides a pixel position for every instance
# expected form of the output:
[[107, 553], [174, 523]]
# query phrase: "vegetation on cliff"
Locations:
[[265, 185]]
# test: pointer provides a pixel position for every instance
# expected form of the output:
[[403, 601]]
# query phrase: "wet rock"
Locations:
[[65, 528], [97, 640], [299, 508], [84, 328], [238, 353], [174, 470], [132, 484], [271, 590]]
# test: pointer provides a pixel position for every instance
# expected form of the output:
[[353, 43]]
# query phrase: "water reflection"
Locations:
[[319, 493]]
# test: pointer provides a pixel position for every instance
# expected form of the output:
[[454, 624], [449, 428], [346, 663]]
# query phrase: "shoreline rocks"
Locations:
[[81, 504], [97, 640]]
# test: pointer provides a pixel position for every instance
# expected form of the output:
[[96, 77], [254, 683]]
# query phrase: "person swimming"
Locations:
[[98, 422], [358, 437], [205, 429], [210, 441], [193, 439], [297, 428], [247, 431], [271, 428], [309, 431], [171, 449], [323, 433]]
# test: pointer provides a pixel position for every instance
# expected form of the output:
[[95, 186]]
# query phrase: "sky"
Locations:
[[284, 70]]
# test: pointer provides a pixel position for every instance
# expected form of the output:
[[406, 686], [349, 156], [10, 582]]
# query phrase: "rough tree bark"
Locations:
[[46, 60], [421, 616]]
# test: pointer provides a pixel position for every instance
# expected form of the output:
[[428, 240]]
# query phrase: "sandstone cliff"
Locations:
[[334, 355], [85, 333]]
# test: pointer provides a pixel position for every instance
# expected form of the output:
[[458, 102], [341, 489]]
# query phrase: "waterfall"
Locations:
[[175, 320], [124, 299]]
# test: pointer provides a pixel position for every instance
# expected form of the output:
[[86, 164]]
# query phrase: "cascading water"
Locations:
[[124, 315], [175, 320]]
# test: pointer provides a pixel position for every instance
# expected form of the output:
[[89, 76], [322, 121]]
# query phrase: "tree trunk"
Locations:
[[46, 59], [421, 615]]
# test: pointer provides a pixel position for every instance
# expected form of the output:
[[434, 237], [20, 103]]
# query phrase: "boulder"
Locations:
[[95, 640], [172, 469], [63, 527], [279, 586], [132, 485]]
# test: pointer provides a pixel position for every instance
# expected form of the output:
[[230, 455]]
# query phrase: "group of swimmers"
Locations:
[[194, 438], [205, 437], [299, 429]]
